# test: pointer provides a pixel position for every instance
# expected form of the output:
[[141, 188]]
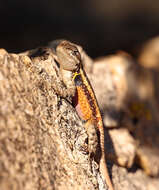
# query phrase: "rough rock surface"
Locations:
[[41, 136]]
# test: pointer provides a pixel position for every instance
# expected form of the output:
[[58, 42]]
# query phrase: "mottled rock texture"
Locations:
[[41, 135]]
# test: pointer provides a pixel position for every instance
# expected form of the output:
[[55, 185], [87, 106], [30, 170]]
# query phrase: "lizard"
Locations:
[[79, 87]]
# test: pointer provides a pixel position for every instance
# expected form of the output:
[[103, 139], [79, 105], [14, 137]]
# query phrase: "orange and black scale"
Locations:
[[86, 100]]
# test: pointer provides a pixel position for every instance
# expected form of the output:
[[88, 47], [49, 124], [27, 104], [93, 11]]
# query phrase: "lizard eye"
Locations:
[[76, 54]]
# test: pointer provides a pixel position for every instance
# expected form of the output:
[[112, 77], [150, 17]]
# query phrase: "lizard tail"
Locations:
[[103, 165]]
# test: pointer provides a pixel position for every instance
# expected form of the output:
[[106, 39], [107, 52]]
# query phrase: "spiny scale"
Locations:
[[89, 111]]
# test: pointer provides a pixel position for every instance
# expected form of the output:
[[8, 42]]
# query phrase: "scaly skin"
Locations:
[[74, 77]]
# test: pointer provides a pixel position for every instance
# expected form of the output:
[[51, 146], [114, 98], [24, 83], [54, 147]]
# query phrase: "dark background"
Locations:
[[100, 26]]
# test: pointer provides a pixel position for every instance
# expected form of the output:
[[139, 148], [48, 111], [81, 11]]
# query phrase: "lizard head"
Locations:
[[68, 56]]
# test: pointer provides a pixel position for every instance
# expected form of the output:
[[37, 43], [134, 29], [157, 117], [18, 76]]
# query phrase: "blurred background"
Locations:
[[100, 26]]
